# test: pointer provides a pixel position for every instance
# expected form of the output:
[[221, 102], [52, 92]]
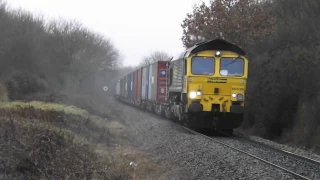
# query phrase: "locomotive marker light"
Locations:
[[105, 88], [239, 97], [234, 95], [218, 53], [224, 72]]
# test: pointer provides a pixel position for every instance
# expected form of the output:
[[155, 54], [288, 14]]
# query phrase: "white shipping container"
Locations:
[[151, 81], [118, 88]]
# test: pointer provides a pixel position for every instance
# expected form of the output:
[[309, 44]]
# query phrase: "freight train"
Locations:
[[203, 88]]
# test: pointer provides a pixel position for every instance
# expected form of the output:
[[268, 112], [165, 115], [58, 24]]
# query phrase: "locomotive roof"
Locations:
[[216, 44]]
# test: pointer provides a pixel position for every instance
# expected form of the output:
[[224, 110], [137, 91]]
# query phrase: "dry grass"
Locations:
[[45, 140], [44, 106], [121, 157], [316, 140], [30, 151]]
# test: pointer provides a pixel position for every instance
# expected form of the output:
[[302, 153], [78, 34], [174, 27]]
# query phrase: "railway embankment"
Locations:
[[191, 156], [41, 140], [56, 140]]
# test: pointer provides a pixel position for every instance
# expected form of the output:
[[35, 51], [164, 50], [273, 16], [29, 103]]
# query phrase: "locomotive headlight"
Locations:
[[239, 97], [218, 53], [192, 94]]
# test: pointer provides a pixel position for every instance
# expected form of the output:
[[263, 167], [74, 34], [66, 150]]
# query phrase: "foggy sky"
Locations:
[[136, 27]]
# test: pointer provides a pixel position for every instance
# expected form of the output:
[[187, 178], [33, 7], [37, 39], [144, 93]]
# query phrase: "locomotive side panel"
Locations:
[[177, 68]]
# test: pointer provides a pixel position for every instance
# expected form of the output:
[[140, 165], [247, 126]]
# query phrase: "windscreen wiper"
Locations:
[[232, 61]]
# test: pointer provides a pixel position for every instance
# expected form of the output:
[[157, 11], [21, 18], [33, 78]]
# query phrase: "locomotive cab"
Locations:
[[208, 84]]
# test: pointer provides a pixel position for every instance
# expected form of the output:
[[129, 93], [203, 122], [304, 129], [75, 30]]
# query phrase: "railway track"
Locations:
[[307, 169]]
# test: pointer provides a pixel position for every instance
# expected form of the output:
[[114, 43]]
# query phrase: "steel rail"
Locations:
[[239, 150], [282, 151], [249, 154]]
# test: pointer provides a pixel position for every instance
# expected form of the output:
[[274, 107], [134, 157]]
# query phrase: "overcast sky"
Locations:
[[136, 27]]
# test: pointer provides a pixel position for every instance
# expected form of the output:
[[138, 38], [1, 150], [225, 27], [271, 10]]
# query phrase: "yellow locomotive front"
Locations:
[[215, 85]]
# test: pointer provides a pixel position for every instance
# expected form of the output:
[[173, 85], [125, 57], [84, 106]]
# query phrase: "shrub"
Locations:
[[20, 84], [3, 93]]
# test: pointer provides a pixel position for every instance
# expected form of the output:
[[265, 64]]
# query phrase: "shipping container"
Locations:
[[162, 81], [131, 85], [137, 84], [128, 85], [123, 88], [145, 83], [118, 88], [158, 81], [151, 82], [133, 92]]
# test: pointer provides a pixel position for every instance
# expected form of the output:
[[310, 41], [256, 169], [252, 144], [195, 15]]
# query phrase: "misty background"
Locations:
[[51, 59]]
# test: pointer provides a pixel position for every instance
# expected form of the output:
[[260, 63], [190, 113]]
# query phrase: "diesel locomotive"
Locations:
[[204, 87]]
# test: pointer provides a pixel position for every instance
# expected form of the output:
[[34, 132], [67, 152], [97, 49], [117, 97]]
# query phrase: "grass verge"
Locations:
[[54, 141]]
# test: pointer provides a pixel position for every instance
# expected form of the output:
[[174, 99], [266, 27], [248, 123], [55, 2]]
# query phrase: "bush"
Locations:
[[45, 151], [59, 54], [21, 84], [3, 93]]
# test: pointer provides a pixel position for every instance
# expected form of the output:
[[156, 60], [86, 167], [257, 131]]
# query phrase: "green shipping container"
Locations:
[[151, 82]]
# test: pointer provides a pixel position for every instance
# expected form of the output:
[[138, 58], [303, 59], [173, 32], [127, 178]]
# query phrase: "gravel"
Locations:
[[295, 150], [192, 156], [303, 168]]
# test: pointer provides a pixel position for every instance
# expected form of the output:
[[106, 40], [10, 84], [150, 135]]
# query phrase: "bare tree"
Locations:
[[65, 54], [154, 57]]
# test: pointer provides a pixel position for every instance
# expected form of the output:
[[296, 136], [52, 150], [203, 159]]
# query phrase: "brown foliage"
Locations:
[[243, 22], [282, 41]]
